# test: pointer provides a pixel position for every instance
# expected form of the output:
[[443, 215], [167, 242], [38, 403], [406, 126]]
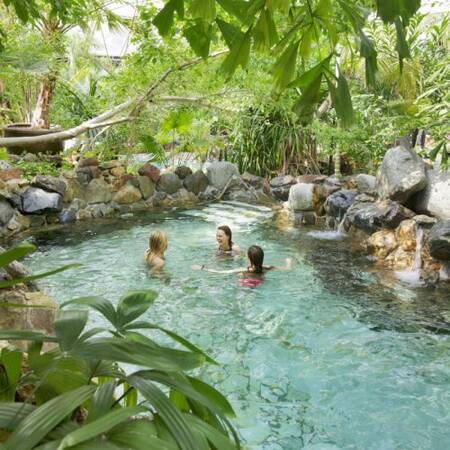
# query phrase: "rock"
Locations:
[[146, 186], [253, 180], [108, 165], [98, 210], [244, 196], [435, 198], [118, 171], [169, 183], [366, 184], [38, 201], [209, 194], [77, 204], [401, 174], [127, 195], [10, 174], [405, 235], [424, 221], [67, 215], [37, 221], [310, 178], [51, 184], [196, 183], [4, 165], [182, 172], [84, 214], [285, 180], [301, 197], [98, 191], [84, 175], [370, 217], [219, 173], [30, 157], [400, 259], [299, 218], [381, 243], [337, 204], [6, 212], [151, 171], [160, 199], [282, 193], [87, 162], [439, 240]]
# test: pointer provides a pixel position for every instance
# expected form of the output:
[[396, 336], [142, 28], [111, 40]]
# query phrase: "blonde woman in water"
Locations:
[[154, 255]]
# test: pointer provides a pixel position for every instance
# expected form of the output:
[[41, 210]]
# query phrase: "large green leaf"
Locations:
[[369, 53], [170, 415], [128, 351], [25, 335], [42, 420], [100, 304], [265, 32], [204, 10], [68, 326], [342, 101], [138, 434], [15, 253], [389, 10], [145, 325], [9, 283], [237, 8], [229, 32], [11, 414], [401, 45], [10, 368], [103, 424], [133, 306], [218, 439], [199, 38], [102, 401], [306, 78], [284, 68], [164, 19], [305, 106], [239, 54]]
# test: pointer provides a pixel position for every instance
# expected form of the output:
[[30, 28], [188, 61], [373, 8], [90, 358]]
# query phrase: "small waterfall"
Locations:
[[341, 226], [418, 254]]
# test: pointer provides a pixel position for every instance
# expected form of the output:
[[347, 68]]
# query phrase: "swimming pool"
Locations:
[[329, 355]]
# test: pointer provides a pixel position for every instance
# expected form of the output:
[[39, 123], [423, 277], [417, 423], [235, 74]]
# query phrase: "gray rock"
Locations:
[[337, 204], [77, 204], [146, 186], [439, 240], [158, 198], [51, 184], [4, 165], [253, 180], [209, 194], [244, 196], [84, 175], [67, 215], [98, 210], [127, 195], [282, 193], [435, 198], [301, 197], [371, 217], [425, 221], [169, 183], [400, 175], [30, 157], [38, 201], [220, 172], [182, 172], [196, 183], [6, 212], [98, 191], [367, 184], [285, 180]]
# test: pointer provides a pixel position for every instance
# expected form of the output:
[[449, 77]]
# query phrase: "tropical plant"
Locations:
[[75, 394]]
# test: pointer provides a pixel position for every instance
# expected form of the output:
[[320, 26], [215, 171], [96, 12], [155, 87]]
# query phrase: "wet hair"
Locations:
[[226, 229], [157, 242], [256, 256]]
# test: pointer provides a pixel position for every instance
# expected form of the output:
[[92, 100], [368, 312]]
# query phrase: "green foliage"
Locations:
[[31, 169], [77, 393]]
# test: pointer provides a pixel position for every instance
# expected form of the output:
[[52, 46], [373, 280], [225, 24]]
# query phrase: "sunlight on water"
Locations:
[[330, 355]]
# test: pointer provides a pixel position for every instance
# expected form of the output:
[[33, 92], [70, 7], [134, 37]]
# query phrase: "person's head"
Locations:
[[224, 237], [157, 242], [255, 255]]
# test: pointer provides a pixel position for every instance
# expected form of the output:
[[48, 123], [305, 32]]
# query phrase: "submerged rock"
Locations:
[[219, 173], [435, 198], [439, 240], [38, 201], [401, 174]]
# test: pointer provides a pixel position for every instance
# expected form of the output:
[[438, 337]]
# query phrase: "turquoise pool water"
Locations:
[[330, 355]]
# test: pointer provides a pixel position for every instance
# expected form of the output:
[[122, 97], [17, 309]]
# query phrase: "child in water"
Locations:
[[252, 275], [224, 238], [154, 255]]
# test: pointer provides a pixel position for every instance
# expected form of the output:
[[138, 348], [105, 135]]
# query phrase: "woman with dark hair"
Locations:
[[252, 275], [224, 238]]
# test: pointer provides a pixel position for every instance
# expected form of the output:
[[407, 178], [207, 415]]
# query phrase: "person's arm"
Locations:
[[236, 250], [288, 265], [206, 269]]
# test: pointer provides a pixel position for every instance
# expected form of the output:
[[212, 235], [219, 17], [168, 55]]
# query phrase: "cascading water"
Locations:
[[418, 254], [412, 276], [331, 235]]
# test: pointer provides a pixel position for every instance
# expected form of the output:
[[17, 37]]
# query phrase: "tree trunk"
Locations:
[[337, 162], [41, 114]]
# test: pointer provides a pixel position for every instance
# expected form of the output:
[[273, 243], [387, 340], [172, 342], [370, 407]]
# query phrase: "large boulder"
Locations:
[[439, 240], [219, 173], [169, 183], [150, 171], [98, 191], [435, 198], [127, 195], [196, 183], [371, 217], [6, 212], [183, 171], [367, 184], [38, 201], [51, 184], [301, 197], [337, 204], [281, 187], [146, 186], [401, 174]]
